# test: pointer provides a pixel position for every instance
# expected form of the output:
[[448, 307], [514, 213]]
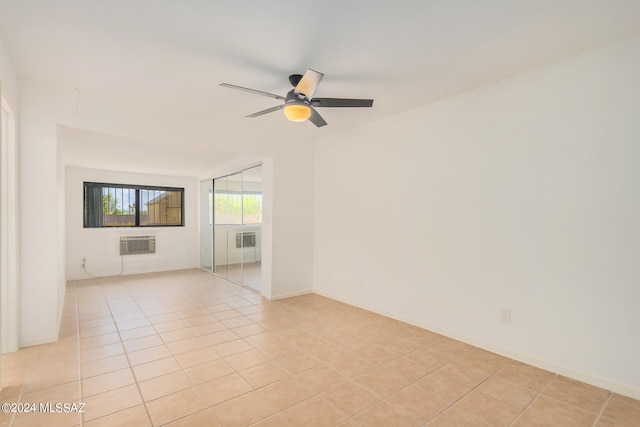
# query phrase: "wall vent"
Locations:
[[136, 245]]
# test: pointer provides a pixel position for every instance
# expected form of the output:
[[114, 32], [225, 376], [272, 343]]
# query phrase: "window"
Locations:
[[118, 205]]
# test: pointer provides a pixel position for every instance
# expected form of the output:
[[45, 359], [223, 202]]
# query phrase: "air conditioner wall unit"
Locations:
[[137, 245]]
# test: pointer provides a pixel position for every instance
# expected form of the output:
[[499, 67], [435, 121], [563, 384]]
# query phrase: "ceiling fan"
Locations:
[[299, 103]]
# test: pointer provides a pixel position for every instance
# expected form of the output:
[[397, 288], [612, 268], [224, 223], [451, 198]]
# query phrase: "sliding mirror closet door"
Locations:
[[231, 225], [252, 227], [234, 226], [220, 226], [206, 225]]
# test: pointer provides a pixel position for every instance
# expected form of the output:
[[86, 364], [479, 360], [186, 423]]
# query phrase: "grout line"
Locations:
[[540, 393], [595, 422]]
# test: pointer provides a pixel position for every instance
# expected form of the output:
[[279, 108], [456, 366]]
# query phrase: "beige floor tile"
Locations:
[[98, 330], [169, 316], [148, 355], [527, 375], [156, 368], [136, 416], [547, 411], [209, 328], [179, 335], [132, 334], [102, 366], [417, 403], [209, 371], [443, 388], [175, 406], [232, 347], [321, 378], [350, 398], [453, 418], [315, 412], [236, 322], [47, 419], [62, 393], [105, 382], [382, 382], [622, 410], [99, 340], [516, 395], [578, 393], [377, 354], [264, 374], [184, 346], [196, 357], [132, 324], [101, 352], [87, 324], [243, 410], [142, 343], [199, 419], [171, 326], [200, 320], [227, 314], [297, 361], [246, 359], [110, 402], [274, 421], [248, 330], [351, 365], [465, 374], [430, 359], [164, 385], [223, 389], [275, 350], [43, 377], [285, 393], [480, 406], [383, 415], [483, 359], [220, 337]]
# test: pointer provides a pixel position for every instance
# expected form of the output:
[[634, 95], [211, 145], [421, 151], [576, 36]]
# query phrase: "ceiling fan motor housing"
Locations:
[[294, 79]]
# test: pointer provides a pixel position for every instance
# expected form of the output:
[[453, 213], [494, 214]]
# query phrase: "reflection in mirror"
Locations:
[[206, 225], [220, 226], [252, 227], [234, 226]]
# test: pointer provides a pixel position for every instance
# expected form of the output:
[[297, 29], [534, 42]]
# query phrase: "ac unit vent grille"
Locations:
[[246, 239], [137, 245]]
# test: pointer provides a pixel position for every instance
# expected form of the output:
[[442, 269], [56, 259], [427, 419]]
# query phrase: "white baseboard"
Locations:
[[293, 294], [622, 389], [130, 273]]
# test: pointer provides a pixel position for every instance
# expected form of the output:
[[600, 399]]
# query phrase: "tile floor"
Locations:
[[190, 349]]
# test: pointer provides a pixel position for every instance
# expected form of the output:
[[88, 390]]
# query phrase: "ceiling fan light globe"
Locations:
[[297, 112]]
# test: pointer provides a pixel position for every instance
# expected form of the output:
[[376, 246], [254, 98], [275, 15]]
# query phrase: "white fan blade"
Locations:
[[308, 83]]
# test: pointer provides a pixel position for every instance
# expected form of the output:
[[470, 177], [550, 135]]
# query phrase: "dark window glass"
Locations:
[[117, 205]]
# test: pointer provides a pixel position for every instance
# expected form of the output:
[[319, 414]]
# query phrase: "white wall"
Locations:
[[41, 280], [520, 195], [176, 247], [8, 212]]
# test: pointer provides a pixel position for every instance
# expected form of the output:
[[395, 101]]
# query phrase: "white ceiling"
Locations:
[[402, 53]]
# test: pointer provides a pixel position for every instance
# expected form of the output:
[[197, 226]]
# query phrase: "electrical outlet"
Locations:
[[505, 315], [84, 261]]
